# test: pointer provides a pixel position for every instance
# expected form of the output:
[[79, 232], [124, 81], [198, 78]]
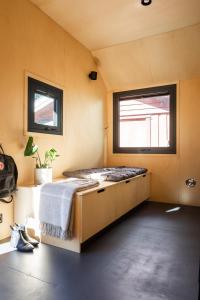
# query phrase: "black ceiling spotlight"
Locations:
[[93, 75], [146, 2]]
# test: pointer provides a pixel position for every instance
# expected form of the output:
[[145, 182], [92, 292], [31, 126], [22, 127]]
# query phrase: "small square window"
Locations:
[[45, 108], [144, 121]]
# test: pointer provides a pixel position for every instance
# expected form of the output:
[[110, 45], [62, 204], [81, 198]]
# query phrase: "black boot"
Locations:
[[23, 245], [25, 235], [14, 236]]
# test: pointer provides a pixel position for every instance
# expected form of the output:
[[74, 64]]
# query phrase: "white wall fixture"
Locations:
[[190, 182]]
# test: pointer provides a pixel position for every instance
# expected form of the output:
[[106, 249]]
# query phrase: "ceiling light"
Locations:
[[146, 2]]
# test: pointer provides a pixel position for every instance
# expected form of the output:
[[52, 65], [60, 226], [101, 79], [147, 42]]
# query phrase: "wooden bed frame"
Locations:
[[94, 209]]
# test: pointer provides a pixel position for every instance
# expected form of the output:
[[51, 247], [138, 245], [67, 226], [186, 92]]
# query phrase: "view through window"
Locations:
[[145, 122], [44, 112]]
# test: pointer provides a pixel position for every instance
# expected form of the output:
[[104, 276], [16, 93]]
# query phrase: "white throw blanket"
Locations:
[[56, 206]]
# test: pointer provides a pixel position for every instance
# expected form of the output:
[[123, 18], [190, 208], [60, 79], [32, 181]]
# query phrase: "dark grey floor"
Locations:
[[148, 255]]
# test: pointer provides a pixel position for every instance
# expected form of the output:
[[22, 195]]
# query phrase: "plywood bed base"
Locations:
[[100, 206]]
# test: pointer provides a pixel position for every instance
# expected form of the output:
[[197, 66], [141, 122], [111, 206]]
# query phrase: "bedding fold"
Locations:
[[107, 174]]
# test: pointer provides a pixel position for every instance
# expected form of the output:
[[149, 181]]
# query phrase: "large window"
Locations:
[[144, 121]]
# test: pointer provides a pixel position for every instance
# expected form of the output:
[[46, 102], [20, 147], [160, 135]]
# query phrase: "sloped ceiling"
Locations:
[[101, 23], [166, 57]]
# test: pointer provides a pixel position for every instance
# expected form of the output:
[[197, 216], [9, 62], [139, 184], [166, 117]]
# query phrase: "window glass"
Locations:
[[145, 122], [44, 112]]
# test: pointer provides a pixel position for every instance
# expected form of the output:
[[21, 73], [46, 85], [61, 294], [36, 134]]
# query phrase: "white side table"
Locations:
[[26, 204]]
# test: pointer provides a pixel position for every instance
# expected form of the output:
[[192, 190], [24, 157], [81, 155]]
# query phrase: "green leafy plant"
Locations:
[[32, 150]]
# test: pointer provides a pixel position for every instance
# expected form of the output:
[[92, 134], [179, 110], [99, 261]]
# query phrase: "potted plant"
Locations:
[[43, 169]]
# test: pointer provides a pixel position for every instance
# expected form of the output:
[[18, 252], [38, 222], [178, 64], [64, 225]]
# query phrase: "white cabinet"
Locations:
[[95, 208]]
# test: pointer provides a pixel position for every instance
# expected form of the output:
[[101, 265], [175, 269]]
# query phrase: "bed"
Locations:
[[119, 191], [94, 208]]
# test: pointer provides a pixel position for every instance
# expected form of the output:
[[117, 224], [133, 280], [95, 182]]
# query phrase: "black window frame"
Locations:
[[141, 93], [47, 90]]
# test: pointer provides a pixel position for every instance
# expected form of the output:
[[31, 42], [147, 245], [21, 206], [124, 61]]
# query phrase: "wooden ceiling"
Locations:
[[167, 57], [99, 24]]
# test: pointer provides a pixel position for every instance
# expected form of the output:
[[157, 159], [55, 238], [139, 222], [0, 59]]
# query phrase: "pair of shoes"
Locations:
[[26, 236], [21, 240], [23, 245], [18, 241]]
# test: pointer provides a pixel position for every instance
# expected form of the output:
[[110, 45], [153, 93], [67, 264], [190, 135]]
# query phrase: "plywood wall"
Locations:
[[31, 41], [163, 59], [169, 171]]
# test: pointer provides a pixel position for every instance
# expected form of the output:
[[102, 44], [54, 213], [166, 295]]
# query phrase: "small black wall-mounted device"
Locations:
[[146, 2], [93, 75]]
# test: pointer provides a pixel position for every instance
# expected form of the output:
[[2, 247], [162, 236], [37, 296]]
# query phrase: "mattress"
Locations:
[[107, 174]]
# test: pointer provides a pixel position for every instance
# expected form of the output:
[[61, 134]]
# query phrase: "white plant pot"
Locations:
[[42, 175]]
